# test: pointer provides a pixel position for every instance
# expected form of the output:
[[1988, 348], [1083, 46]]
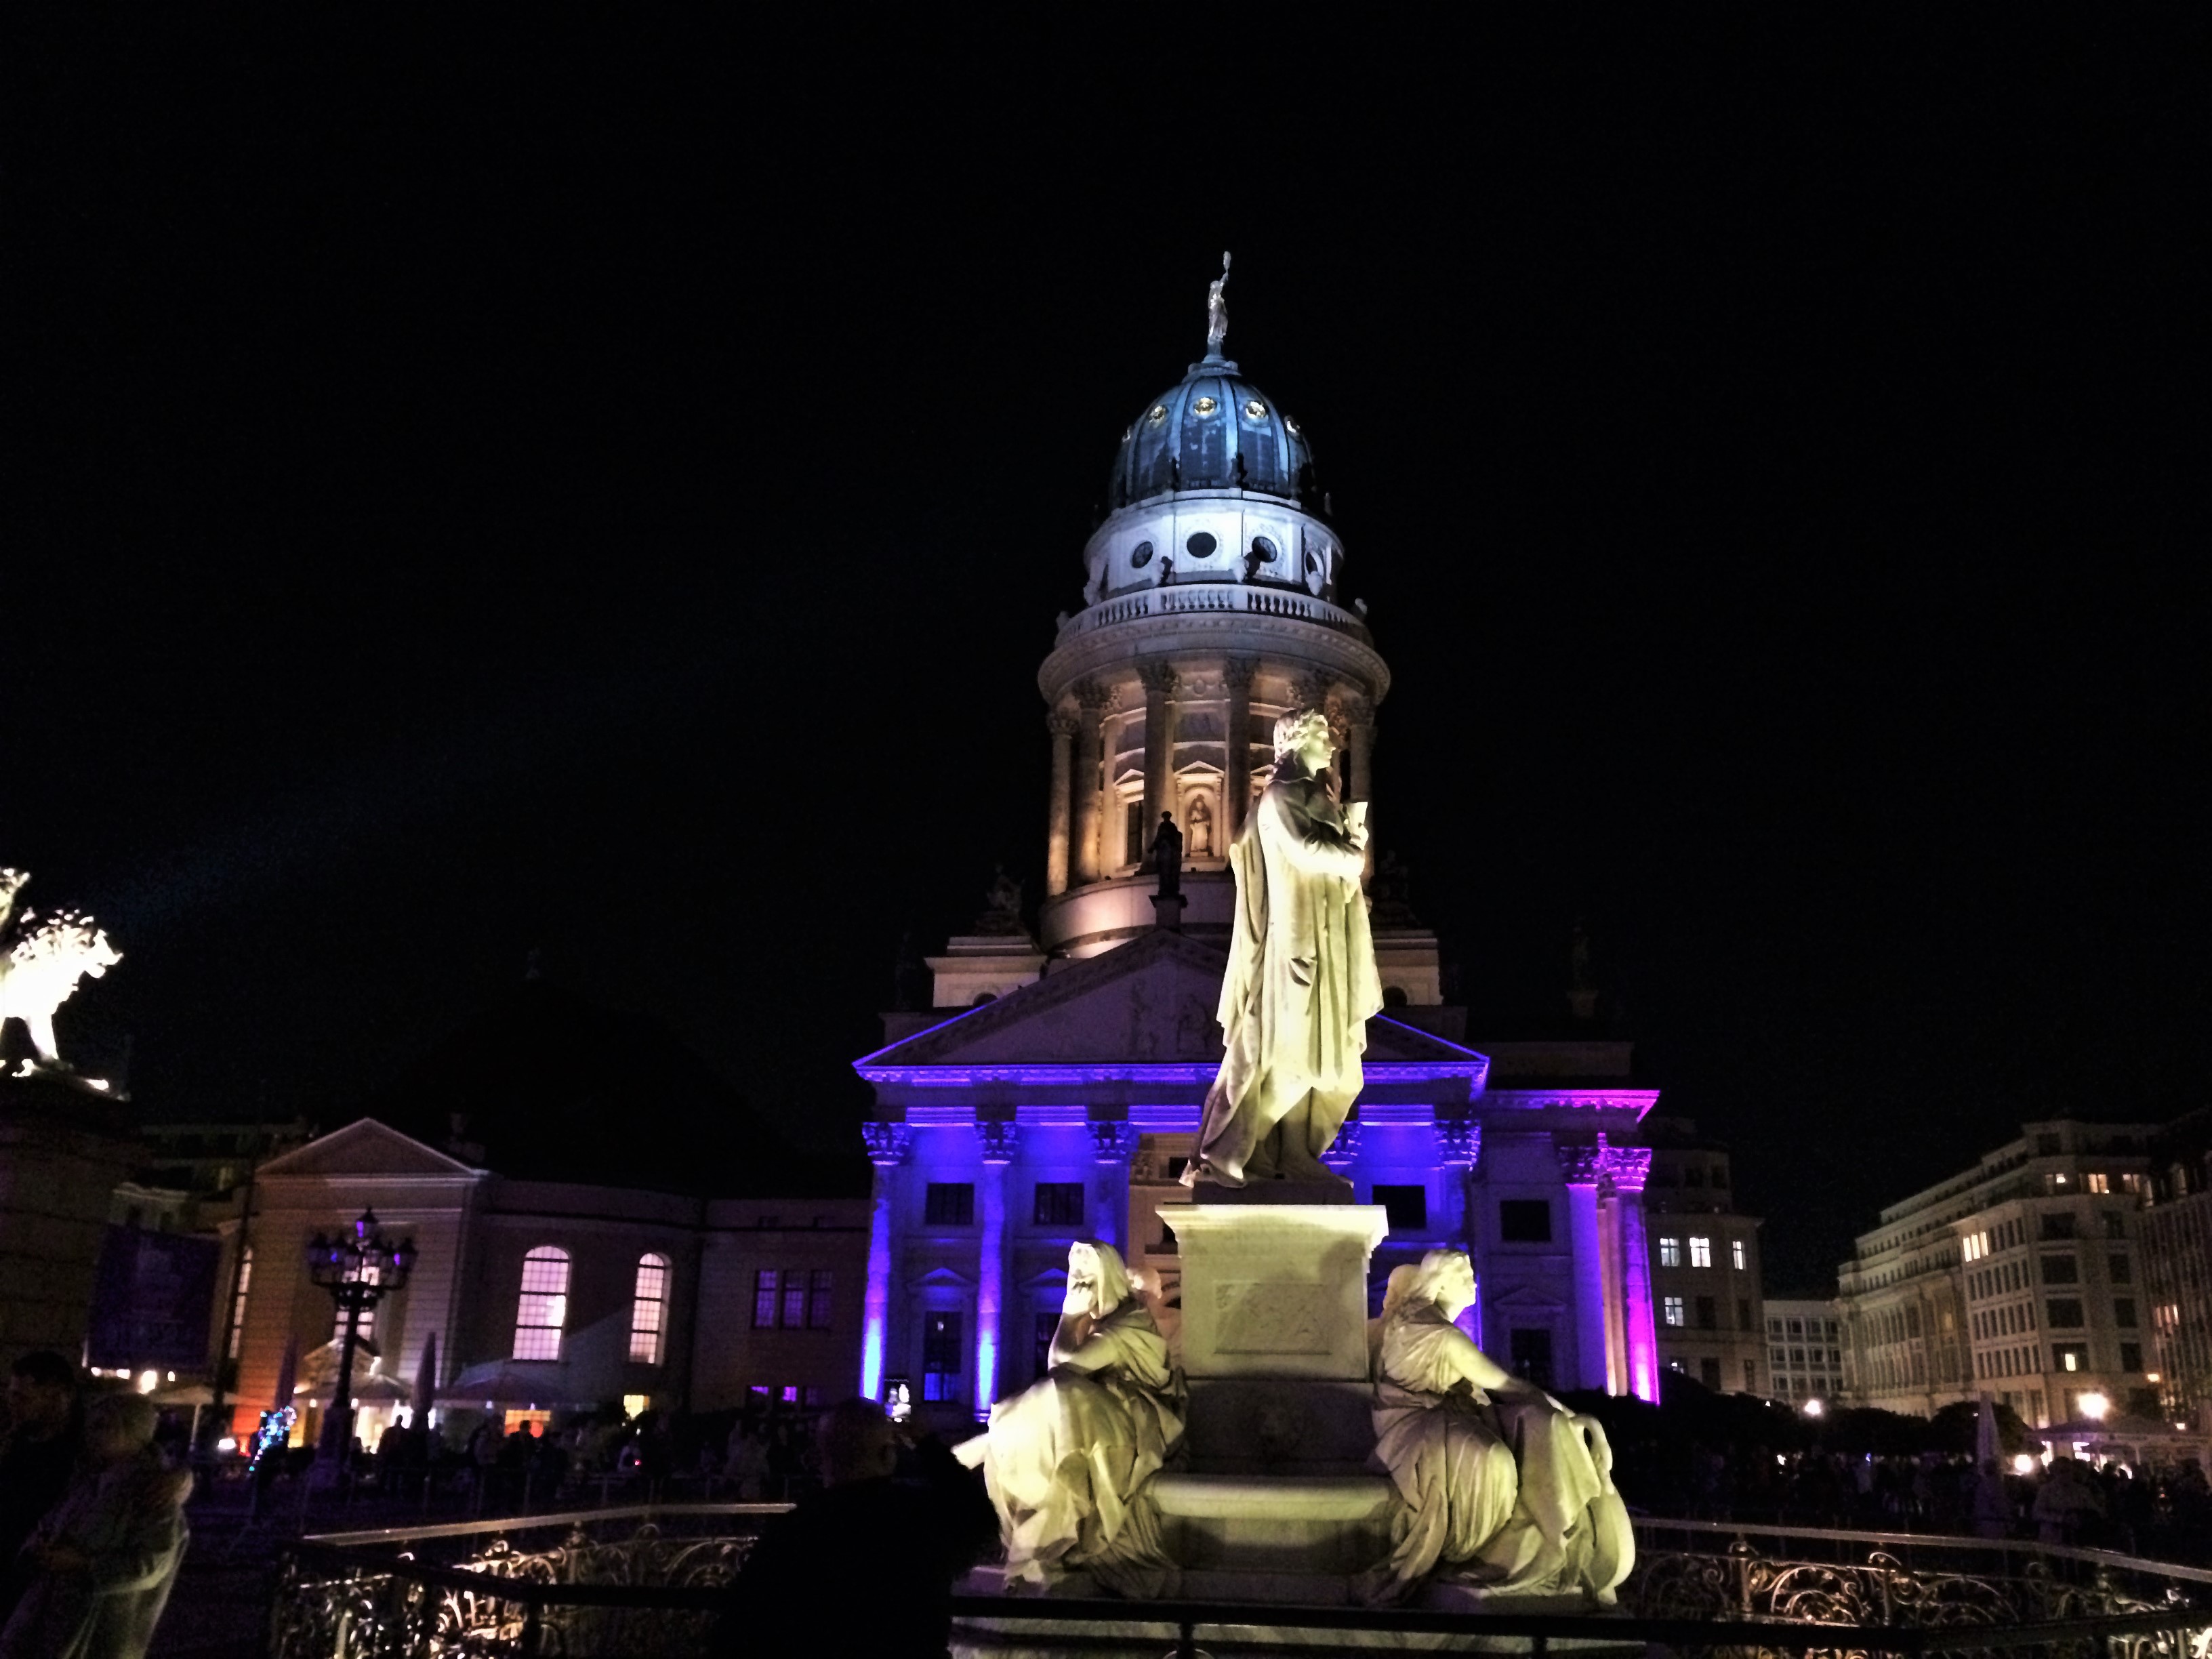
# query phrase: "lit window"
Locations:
[[1670, 1251], [1701, 1252], [794, 1301], [542, 1309], [1736, 1258], [238, 1301], [764, 1291], [1674, 1311], [2100, 1183], [635, 1405], [940, 1355], [648, 1310], [818, 1299]]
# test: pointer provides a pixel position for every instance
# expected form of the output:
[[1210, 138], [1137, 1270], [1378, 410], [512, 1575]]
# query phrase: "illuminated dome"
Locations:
[[1215, 431]]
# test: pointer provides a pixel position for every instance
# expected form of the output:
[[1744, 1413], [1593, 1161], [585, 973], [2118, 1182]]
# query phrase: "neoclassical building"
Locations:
[[1053, 1089]]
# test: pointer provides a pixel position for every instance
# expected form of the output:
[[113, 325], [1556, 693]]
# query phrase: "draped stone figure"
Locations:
[[1503, 1487], [1069, 1459], [1301, 983]]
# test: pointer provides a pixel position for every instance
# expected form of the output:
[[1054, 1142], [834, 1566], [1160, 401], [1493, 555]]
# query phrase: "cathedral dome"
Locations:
[[1215, 431]]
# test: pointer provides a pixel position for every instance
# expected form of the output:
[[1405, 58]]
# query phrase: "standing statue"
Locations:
[[1201, 828], [1068, 1461], [1503, 1486], [1167, 856], [41, 965], [1217, 311], [1301, 983]]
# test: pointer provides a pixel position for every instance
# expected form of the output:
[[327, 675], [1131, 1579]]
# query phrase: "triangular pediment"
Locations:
[[1148, 1002], [941, 1278], [365, 1147], [1524, 1299], [1389, 1039]]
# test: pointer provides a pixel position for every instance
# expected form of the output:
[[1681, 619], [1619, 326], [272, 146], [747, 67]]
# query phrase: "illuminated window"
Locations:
[[1736, 1258], [795, 1300], [238, 1301], [1701, 1252], [542, 1309], [1670, 1251], [764, 1291], [2100, 1183], [635, 1404], [2070, 1355], [940, 1355], [1674, 1313], [648, 1310], [818, 1299]]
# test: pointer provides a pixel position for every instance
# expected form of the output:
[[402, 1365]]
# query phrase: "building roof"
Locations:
[[1216, 430]]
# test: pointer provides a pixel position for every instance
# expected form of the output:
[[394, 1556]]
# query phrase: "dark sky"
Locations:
[[608, 496]]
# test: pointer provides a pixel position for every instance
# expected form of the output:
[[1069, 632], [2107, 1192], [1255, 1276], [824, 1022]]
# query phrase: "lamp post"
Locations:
[[358, 1267]]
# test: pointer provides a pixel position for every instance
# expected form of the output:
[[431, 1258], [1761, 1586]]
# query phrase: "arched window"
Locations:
[[542, 1312], [648, 1310]]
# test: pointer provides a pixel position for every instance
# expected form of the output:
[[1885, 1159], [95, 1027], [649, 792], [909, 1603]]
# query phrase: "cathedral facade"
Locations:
[[1053, 1089]]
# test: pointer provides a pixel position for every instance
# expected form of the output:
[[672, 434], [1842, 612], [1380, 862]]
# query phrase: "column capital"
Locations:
[[1061, 724], [1158, 678], [1594, 1162], [1306, 691], [996, 1139], [1459, 1142], [1237, 674], [1093, 696], [1344, 1151], [888, 1143], [1113, 1141]]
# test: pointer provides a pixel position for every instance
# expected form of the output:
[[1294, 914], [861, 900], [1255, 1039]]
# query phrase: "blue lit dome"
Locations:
[[1215, 431]]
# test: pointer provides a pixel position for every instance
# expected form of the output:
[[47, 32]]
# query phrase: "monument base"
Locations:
[[1272, 1190]]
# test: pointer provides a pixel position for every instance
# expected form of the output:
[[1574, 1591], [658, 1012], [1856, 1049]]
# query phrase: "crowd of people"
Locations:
[[92, 1518]]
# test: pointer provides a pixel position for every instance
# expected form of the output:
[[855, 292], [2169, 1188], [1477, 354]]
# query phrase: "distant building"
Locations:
[[2017, 1276], [1804, 1351], [1704, 1262], [2177, 1276]]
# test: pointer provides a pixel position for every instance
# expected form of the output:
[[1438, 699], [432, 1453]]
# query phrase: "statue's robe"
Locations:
[[1069, 1459], [1561, 1526], [1299, 991]]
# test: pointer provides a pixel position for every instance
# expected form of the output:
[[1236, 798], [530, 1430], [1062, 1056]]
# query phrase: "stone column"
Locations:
[[1089, 779], [997, 1141], [1628, 1166], [1056, 811], [1458, 1144], [887, 1150], [1361, 714], [1582, 1167], [1113, 1144], [1236, 676], [1160, 682]]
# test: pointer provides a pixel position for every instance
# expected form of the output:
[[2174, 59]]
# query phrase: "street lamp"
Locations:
[[358, 1268]]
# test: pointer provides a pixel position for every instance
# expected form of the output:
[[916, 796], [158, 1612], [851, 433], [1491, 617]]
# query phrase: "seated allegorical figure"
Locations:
[[1069, 1459], [1503, 1487]]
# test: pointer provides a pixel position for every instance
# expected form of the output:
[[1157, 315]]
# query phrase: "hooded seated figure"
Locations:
[[1069, 1459], [1503, 1487]]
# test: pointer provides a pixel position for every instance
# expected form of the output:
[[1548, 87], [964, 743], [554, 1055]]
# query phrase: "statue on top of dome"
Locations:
[[1217, 311]]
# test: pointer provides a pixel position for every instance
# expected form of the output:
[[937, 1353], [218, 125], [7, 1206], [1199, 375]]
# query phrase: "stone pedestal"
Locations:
[[1277, 1290]]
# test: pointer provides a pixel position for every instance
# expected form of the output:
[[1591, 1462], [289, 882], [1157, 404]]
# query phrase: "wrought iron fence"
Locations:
[[649, 1581]]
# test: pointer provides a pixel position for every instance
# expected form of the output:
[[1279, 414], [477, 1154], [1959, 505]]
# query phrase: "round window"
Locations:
[[1263, 549], [1256, 409], [1200, 546], [1289, 426], [1311, 566], [1159, 413], [1206, 405], [1140, 556]]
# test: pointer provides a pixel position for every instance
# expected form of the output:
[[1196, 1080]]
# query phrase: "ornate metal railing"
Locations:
[[649, 1581], [1258, 601]]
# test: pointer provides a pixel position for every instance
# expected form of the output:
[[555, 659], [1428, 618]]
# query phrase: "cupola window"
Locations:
[[1256, 409], [1206, 405], [1263, 549], [1289, 426], [1159, 413], [1200, 546], [1141, 556]]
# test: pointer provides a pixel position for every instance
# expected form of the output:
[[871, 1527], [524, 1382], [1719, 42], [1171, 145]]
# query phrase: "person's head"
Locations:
[[857, 1442], [117, 1426], [1447, 1279], [41, 1389], [1398, 1286], [1098, 1267], [1305, 733]]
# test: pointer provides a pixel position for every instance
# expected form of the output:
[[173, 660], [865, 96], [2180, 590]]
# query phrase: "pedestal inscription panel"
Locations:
[[1277, 1290]]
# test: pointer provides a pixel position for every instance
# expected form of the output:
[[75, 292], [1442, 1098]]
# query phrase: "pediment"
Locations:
[[1150, 1001], [941, 1278], [365, 1147], [1392, 1040], [1524, 1299]]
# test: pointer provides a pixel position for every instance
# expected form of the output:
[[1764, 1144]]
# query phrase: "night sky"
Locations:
[[609, 497]]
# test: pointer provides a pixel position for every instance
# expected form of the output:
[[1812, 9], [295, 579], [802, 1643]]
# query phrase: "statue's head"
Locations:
[[1398, 1286], [1097, 1267], [1305, 733], [1447, 1279]]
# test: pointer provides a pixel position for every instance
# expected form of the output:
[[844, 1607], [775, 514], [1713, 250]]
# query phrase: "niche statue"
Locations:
[[1069, 1460], [1301, 983]]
